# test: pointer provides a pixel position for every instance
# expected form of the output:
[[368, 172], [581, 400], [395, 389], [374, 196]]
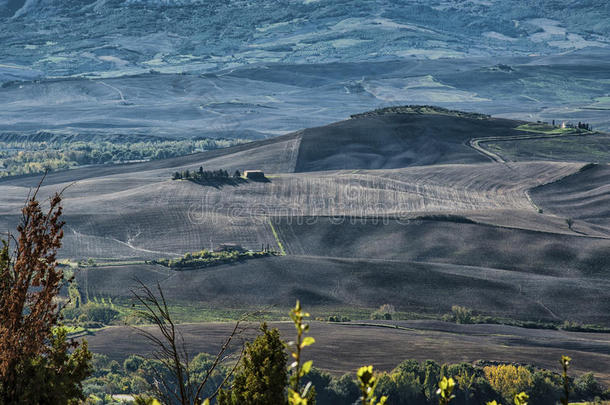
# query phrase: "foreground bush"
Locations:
[[262, 374], [37, 363]]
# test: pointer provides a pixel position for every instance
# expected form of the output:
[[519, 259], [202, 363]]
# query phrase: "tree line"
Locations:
[[202, 175], [30, 157]]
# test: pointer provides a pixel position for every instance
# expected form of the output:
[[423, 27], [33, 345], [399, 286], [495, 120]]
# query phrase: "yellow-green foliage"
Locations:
[[367, 381], [445, 390], [565, 363], [462, 314], [144, 400], [521, 398], [509, 380], [296, 395]]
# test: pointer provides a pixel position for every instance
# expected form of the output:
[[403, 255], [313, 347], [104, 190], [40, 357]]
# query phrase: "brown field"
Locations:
[[342, 348]]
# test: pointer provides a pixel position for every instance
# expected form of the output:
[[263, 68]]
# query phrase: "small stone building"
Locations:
[[254, 174]]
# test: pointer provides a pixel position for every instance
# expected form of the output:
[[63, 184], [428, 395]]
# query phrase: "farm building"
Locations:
[[254, 174]]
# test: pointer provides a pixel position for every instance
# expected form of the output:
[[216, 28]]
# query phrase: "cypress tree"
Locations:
[[262, 376]]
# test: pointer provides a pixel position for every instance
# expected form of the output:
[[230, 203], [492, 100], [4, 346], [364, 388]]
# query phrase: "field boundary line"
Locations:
[[277, 239]]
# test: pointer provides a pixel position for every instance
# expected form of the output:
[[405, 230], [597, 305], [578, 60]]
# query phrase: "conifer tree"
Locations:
[[262, 376]]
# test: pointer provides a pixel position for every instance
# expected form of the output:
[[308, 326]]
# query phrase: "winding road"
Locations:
[[475, 143]]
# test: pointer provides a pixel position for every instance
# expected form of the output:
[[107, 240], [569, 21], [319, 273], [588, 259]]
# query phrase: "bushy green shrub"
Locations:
[[587, 387], [132, 363], [545, 387], [401, 387], [99, 313], [338, 318], [385, 312], [91, 315], [344, 390], [461, 315], [322, 383]]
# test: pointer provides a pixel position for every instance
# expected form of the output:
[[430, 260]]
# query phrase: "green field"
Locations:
[[576, 148], [539, 128]]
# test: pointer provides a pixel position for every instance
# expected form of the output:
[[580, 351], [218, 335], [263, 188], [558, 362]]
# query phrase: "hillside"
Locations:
[[583, 196], [394, 208], [395, 140]]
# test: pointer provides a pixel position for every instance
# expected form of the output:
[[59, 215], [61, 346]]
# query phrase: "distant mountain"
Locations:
[[67, 37], [188, 68]]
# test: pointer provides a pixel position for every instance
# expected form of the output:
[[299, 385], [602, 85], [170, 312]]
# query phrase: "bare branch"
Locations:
[[230, 374]]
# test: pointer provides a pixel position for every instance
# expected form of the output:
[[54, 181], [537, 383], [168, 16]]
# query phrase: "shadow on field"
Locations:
[[231, 181]]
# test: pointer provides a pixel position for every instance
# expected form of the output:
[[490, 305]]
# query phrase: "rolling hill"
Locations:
[[411, 206], [392, 207]]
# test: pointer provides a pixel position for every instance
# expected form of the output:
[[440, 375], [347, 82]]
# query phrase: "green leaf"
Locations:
[[308, 341], [306, 367], [521, 398]]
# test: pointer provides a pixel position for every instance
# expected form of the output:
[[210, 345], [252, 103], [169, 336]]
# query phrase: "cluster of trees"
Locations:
[[90, 315], [420, 109], [581, 125], [201, 175], [384, 312], [205, 258], [28, 157], [138, 375], [416, 383], [463, 315], [336, 318]]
